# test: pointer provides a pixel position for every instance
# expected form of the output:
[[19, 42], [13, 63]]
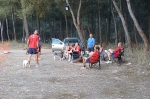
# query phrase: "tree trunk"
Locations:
[[38, 24], [61, 36], [135, 36], [109, 22], [25, 22], [14, 29], [116, 32], [66, 25], [138, 28], [124, 25], [76, 21], [7, 30], [99, 24], [71, 28], [149, 27], [106, 21], [1, 26], [23, 35]]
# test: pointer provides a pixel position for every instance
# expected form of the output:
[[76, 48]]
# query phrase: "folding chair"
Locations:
[[120, 57], [95, 63]]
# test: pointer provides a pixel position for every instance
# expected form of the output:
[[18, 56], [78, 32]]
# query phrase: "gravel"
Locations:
[[55, 79]]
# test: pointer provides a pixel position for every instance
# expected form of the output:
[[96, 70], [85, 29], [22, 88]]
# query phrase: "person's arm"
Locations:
[[40, 43], [93, 42], [87, 43], [28, 43], [101, 49], [91, 54], [37, 42]]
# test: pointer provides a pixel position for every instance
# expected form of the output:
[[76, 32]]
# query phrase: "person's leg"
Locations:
[[84, 61], [110, 51], [35, 52], [29, 59], [30, 55], [39, 53], [109, 56], [70, 56], [89, 50], [36, 58]]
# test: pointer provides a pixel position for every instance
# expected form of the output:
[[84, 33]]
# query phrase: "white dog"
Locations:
[[25, 63]]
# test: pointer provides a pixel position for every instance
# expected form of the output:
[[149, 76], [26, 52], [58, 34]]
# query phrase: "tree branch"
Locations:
[[73, 17], [78, 13]]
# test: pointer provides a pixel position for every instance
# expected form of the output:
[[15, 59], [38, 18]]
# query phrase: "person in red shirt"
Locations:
[[76, 51], [72, 47], [66, 51], [77, 48], [114, 52], [32, 45], [93, 57]]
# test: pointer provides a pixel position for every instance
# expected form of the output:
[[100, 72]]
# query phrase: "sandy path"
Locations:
[[64, 80]]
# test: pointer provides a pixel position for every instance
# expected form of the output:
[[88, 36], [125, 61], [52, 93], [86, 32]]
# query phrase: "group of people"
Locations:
[[96, 51], [72, 50], [34, 47]]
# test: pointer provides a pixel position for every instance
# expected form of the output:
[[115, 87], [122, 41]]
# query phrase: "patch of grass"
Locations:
[[136, 56]]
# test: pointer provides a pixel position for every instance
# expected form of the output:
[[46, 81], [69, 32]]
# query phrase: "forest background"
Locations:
[[110, 21]]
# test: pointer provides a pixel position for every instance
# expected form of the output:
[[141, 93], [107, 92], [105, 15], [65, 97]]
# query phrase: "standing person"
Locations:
[[39, 48], [32, 45], [91, 43]]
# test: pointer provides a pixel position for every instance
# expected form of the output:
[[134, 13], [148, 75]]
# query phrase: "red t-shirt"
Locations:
[[33, 41], [95, 56], [69, 48], [78, 48], [117, 51]]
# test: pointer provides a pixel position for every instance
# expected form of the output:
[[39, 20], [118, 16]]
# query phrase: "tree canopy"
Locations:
[[96, 16]]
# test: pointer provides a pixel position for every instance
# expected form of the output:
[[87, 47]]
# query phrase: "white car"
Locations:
[[58, 45]]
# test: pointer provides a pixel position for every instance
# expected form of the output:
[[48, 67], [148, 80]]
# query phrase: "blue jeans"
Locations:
[[91, 49]]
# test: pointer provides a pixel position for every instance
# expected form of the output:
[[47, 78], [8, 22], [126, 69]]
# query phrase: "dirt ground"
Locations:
[[64, 80]]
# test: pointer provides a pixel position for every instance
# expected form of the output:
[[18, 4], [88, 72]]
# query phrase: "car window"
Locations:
[[56, 41], [70, 41]]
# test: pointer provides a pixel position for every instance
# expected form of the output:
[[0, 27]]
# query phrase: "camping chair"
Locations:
[[119, 59], [95, 63]]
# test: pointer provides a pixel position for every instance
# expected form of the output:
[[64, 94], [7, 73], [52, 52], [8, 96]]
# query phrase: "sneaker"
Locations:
[[29, 64], [39, 58], [109, 62], [69, 60], [83, 67]]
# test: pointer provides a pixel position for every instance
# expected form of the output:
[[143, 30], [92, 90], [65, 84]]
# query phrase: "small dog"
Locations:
[[59, 55], [25, 63]]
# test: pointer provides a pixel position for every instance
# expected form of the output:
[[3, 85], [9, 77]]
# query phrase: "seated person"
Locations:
[[100, 48], [93, 57], [103, 54], [68, 48], [70, 52], [114, 52], [76, 51]]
